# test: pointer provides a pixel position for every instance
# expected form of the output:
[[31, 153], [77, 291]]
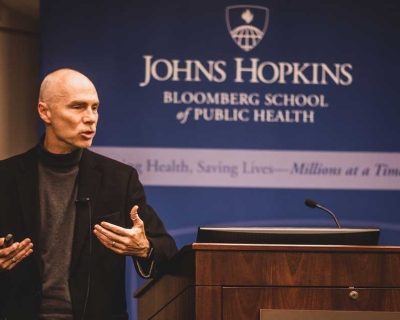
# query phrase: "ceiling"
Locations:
[[26, 7]]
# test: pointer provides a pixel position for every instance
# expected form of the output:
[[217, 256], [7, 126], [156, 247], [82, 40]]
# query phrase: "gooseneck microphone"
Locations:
[[312, 204]]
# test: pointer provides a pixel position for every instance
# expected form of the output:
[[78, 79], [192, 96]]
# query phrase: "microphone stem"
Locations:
[[331, 213]]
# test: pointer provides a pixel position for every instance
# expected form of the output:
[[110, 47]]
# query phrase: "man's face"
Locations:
[[72, 115]]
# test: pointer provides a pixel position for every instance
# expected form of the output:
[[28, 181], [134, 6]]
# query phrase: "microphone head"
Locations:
[[310, 203]]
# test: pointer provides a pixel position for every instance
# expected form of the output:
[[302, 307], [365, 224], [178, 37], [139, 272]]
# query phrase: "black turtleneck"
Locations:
[[58, 161], [57, 193]]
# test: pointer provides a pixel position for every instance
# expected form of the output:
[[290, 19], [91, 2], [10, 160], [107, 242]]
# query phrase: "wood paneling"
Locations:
[[215, 281], [266, 268], [245, 303]]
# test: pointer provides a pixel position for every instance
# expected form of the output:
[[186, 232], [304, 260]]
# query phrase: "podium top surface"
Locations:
[[287, 247]]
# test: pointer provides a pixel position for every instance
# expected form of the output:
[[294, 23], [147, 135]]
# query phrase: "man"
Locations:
[[74, 216]]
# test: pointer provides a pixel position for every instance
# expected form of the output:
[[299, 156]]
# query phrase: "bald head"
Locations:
[[68, 104], [56, 84]]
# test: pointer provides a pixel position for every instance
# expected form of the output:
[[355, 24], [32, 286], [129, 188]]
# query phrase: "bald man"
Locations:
[[75, 215]]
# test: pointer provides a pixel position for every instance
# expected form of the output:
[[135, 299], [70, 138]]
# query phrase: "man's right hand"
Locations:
[[11, 256]]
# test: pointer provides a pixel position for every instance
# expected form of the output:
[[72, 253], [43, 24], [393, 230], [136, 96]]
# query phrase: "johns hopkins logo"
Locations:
[[247, 24]]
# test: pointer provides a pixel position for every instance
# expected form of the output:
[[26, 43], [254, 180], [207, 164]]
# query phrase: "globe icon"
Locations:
[[247, 37]]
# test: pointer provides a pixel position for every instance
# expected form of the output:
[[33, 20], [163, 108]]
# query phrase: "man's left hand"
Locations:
[[130, 242]]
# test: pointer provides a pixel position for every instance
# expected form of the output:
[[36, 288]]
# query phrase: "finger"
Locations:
[[7, 251], [109, 236], [117, 230], [134, 214], [23, 250], [134, 210], [25, 242], [16, 258], [22, 254], [109, 244], [137, 221], [15, 248], [1, 242], [105, 235]]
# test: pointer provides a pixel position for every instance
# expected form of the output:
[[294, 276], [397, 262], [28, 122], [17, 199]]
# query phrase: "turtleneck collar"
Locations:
[[53, 160]]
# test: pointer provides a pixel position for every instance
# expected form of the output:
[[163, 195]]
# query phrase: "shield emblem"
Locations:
[[247, 25]]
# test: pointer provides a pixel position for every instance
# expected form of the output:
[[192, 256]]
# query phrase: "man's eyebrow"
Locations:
[[76, 102], [80, 103]]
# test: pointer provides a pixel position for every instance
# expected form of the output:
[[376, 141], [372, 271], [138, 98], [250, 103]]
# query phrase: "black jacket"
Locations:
[[113, 189]]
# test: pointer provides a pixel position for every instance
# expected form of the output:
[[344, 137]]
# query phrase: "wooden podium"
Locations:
[[232, 281]]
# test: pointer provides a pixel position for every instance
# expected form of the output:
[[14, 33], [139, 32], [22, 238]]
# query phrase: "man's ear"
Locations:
[[44, 112]]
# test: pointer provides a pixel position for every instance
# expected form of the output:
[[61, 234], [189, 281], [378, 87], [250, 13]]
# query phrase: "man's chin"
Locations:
[[83, 144]]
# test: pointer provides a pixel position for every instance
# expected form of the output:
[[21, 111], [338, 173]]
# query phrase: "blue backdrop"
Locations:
[[235, 112]]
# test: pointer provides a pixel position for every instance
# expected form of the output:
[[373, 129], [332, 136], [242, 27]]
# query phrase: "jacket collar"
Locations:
[[28, 192]]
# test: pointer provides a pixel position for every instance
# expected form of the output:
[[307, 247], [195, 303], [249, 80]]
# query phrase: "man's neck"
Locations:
[[52, 147]]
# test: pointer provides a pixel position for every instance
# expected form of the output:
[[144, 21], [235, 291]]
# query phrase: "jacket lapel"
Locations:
[[28, 192], [88, 184]]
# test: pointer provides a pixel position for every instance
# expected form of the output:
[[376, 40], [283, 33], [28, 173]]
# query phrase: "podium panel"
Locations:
[[246, 303], [223, 281], [327, 315]]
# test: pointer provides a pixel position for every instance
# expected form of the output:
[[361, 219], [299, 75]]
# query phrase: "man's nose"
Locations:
[[90, 116]]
